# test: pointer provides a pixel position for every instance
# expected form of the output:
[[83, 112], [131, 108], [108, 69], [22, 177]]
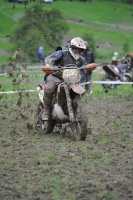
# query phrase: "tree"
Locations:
[[39, 27]]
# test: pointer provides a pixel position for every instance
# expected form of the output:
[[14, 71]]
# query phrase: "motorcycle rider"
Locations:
[[55, 63], [71, 55], [89, 57]]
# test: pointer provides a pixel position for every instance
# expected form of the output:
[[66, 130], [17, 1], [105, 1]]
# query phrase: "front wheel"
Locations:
[[80, 130], [108, 86], [79, 127]]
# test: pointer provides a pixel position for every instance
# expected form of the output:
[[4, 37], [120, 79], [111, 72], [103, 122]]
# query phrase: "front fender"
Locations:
[[77, 88]]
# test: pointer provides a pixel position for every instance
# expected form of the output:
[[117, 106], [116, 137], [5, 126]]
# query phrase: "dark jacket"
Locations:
[[40, 54], [89, 56]]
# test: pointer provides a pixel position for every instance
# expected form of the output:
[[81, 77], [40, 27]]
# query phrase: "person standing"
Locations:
[[16, 56], [89, 57], [40, 53]]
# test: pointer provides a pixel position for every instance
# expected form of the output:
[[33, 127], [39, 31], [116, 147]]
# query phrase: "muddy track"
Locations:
[[50, 167]]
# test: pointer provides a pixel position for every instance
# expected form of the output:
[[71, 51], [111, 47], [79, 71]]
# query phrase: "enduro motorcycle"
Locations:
[[68, 107], [121, 72]]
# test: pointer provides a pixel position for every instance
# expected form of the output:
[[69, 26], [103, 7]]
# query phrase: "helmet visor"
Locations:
[[77, 50]]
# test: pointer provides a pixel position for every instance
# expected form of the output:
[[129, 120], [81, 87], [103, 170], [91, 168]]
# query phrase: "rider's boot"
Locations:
[[47, 99]]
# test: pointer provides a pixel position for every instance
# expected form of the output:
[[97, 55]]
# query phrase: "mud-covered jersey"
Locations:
[[65, 58]]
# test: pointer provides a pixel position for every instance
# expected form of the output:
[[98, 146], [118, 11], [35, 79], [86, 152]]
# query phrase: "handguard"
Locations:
[[47, 69], [90, 67]]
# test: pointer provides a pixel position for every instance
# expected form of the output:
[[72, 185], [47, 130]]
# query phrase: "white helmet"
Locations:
[[116, 54], [77, 42]]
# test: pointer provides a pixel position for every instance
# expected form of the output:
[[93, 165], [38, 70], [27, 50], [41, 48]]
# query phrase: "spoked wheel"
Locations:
[[44, 126], [79, 128], [76, 131], [108, 86]]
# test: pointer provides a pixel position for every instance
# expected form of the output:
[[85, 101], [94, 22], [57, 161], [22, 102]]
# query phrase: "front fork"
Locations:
[[69, 103]]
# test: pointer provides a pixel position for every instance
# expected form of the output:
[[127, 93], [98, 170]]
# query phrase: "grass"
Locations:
[[103, 141], [88, 165], [125, 137], [5, 142], [106, 14], [31, 82], [99, 18], [108, 195]]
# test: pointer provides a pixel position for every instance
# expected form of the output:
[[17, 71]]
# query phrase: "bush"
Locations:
[[43, 28]]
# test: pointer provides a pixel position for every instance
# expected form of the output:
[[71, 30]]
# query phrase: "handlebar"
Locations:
[[56, 68], [88, 66]]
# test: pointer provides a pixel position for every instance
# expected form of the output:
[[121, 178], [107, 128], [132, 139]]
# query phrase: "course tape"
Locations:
[[108, 82], [1, 75], [12, 92], [98, 82]]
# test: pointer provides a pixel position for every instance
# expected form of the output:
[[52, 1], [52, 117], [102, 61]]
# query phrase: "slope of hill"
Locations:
[[110, 23]]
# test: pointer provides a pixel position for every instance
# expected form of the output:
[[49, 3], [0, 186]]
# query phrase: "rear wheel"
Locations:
[[44, 126], [48, 126], [108, 86]]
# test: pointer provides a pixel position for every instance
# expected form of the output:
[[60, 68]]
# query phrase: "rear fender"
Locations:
[[110, 71]]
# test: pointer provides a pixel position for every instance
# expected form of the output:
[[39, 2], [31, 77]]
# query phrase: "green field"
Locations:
[[110, 24], [36, 77]]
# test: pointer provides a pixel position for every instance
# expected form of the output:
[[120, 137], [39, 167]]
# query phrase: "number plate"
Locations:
[[70, 72]]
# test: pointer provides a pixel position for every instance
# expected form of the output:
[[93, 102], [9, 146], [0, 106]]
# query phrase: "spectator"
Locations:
[[115, 59], [40, 53], [16, 56]]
